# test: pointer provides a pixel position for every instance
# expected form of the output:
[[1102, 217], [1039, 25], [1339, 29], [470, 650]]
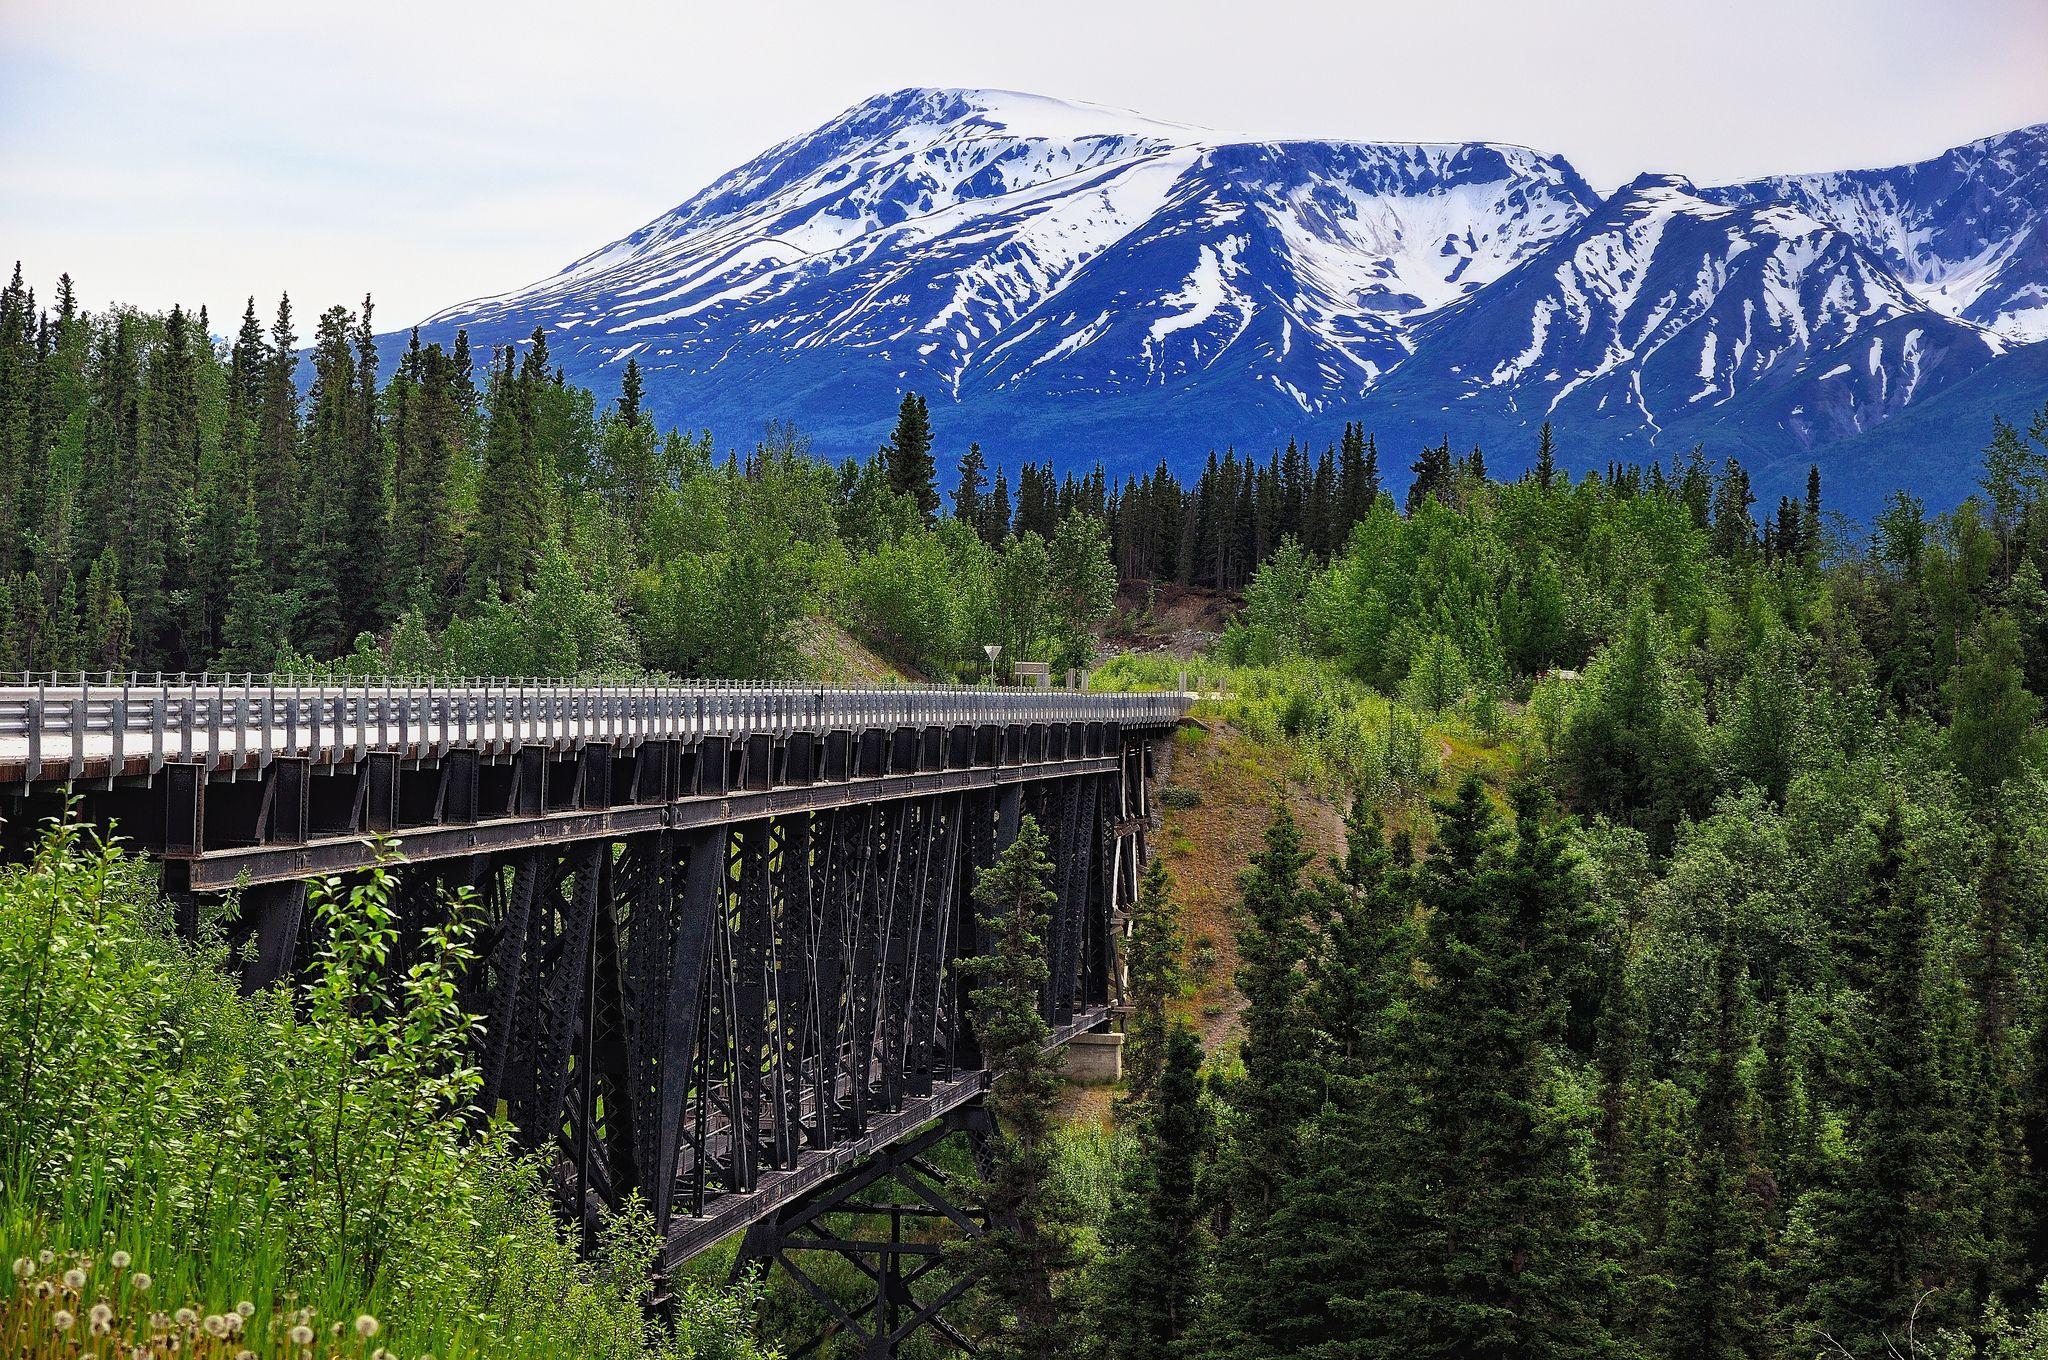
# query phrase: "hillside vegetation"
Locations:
[[1678, 990]]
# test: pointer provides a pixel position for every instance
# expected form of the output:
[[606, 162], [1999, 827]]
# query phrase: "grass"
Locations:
[[1300, 733], [215, 1170]]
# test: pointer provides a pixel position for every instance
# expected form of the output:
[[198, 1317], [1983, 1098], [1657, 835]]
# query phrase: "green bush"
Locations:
[[318, 1151]]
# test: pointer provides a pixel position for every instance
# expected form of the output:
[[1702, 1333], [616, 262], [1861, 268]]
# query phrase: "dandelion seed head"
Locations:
[[23, 1267], [302, 1335], [46, 1256], [366, 1326], [62, 1319], [45, 1289], [245, 1309], [141, 1281], [119, 1260], [215, 1325], [185, 1317], [74, 1278], [100, 1312]]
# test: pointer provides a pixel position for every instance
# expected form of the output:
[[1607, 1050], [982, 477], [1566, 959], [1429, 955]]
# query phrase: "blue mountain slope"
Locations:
[[1967, 230], [1070, 281]]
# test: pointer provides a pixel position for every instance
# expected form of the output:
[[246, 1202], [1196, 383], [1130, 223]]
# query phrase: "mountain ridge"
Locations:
[[1068, 280]]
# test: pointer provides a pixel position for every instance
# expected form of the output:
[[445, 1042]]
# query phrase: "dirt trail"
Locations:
[[1215, 805]]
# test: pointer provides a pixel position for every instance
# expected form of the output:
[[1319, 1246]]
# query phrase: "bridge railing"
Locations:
[[250, 718]]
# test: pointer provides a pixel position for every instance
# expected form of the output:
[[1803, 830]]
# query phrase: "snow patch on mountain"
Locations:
[[1071, 279]]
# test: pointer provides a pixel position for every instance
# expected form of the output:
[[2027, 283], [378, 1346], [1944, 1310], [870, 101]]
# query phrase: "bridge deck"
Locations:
[[110, 729]]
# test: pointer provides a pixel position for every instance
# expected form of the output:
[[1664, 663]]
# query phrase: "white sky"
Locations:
[[429, 152]]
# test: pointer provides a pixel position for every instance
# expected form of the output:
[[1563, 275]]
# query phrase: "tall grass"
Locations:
[[283, 1160], [1342, 735]]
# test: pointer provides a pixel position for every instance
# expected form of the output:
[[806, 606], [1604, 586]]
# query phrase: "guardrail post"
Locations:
[[78, 728]]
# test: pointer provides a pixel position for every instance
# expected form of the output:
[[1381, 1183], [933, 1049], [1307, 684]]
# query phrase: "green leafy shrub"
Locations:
[[314, 1152]]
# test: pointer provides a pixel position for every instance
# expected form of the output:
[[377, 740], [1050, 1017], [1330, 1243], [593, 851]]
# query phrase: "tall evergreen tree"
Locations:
[[1029, 1246], [1154, 973], [1546, 458], [1715, 1255], [1153, 1243], [908, 456], [972, 487]]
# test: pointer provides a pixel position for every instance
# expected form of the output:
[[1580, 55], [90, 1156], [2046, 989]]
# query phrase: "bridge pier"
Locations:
[[911, 1278]]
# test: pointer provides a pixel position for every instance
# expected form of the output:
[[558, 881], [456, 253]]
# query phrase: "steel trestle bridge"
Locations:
[[719, 966]]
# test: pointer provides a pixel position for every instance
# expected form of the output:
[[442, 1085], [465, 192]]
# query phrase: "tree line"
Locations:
[[1714, 1023], [172, 501]]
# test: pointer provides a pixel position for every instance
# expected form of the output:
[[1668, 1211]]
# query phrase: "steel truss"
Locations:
[[747, 1022], [915, 1276]]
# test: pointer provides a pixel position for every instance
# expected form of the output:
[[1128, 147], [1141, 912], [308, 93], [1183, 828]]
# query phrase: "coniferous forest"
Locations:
[[1678, 983]]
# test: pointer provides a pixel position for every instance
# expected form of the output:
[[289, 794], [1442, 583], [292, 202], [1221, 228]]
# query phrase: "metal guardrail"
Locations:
[[251, 718]]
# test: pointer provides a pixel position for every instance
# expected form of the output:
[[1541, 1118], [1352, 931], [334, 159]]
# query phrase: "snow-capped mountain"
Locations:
[[1967, 231], [1661, 309], [1061, 279]]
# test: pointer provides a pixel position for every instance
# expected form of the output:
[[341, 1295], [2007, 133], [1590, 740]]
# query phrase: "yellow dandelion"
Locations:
[[366, 1326]]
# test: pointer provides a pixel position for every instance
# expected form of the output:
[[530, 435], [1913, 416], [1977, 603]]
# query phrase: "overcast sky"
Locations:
[[429, 152]]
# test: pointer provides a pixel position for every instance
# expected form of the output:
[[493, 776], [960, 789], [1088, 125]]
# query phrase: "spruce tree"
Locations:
[[1266, 1104], [1278, 1086], [1433, 476], [1474, 1240], [972, 488], [1546, 458], [274, 470], [908, 456], [630, 392], [1028, 1248], [162, 493], [1143, 1297], [250, 632], [1993, 709], [995, 515], [1152, 965], [1714, 1257], [1890, 1239], [324, 614]]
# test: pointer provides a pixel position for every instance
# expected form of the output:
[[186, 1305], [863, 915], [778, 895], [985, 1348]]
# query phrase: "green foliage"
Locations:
[[1154, 1244], [1029, 1248], [316, 1150]]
